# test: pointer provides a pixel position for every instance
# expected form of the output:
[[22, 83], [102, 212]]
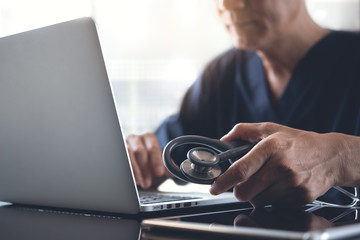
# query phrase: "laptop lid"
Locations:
[[61, 143], [60, 139]]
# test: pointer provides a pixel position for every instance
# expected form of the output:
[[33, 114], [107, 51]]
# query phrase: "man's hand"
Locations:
[[289, 166], [146, 159]]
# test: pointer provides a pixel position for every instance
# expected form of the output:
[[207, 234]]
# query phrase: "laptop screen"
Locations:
[[60, 139]]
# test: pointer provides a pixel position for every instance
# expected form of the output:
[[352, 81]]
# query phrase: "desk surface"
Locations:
[[19, 222]]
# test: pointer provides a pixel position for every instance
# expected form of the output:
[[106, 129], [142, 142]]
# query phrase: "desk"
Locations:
[[19, 222], [23, 222], [31, 223]]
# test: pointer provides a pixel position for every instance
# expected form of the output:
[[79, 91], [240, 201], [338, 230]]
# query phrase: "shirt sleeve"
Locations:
[[193, 115], [203, 107]]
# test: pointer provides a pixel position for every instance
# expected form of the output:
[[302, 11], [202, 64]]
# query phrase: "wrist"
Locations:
[[349, 154]]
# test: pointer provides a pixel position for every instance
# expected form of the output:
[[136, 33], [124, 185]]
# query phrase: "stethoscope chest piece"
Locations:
[[201, 165]]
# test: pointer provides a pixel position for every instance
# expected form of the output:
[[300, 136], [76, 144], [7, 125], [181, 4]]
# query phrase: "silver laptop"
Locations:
[[61, 143]]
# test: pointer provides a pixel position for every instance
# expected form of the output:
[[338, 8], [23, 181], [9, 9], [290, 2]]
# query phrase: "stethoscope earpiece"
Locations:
[[203, 163]]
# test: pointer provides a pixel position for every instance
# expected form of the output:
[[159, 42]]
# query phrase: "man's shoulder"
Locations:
[[353, 36], [348, 46], [346, 40]]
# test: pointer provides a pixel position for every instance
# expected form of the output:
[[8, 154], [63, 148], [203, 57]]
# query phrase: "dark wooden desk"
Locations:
[[23, 222]]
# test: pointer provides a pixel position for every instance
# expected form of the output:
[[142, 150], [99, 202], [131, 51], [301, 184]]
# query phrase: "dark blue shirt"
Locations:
[[323, 94]]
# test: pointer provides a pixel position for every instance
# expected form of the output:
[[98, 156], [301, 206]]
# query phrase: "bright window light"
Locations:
[[154, 49]]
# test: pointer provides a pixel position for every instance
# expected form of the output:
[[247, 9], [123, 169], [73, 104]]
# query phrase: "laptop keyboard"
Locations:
[[146, 198]]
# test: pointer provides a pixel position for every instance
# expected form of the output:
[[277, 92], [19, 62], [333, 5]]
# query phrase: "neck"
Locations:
[[291, 47]]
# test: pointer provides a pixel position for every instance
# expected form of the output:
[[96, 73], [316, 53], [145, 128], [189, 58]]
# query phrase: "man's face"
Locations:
[[255, 24]]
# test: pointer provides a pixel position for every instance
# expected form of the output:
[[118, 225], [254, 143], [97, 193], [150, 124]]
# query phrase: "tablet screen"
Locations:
[[283, 219], [297, 223]]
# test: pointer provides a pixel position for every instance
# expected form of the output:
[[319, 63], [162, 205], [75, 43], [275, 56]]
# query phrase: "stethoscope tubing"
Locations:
[[214, 144]]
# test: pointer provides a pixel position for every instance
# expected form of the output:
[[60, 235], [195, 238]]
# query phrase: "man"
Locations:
[[285, 69]]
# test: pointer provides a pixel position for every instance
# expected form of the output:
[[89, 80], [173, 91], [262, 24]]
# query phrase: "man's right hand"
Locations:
[[146, 159]]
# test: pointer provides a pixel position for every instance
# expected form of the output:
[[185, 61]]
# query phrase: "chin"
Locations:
[[250, 38], [250, 41]]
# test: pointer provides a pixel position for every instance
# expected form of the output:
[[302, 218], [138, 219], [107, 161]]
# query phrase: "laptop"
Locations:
[[61, 143]]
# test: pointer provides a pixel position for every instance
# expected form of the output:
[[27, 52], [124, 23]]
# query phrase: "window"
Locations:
[[154, 49]]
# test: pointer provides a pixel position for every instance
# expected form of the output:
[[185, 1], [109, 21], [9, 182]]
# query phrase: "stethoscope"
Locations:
[[203, 164]]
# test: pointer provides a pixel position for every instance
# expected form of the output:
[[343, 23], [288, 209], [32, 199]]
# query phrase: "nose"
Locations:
[[231, 4]]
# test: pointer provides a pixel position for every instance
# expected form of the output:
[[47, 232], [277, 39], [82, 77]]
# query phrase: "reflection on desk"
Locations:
[[29, 223], [310, 222], [19, 222]]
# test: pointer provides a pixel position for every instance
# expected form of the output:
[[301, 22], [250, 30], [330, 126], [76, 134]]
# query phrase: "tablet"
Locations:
[[309, 222]]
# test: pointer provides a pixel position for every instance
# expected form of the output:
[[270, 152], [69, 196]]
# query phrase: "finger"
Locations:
[[257, 183], [168, 174], [154, 154], [136, 170], [137, 146], [251, 131], [242, 220], [243, 169]]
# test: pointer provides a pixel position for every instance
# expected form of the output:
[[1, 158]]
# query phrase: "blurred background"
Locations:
[[154, 49]]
